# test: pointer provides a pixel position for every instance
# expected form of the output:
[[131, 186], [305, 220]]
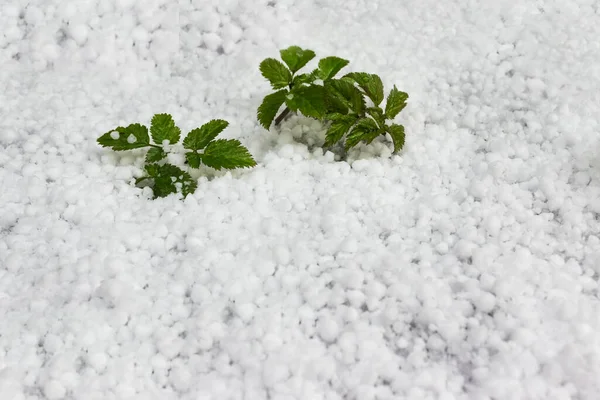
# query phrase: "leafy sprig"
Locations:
[[341, 102], [298, 92], [204, 149], [355, 121]]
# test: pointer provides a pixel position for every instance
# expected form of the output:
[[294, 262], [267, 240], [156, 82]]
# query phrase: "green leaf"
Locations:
[[310, 100], [163, 128], [335, 116], [228, 154], [370, 128], [131, 137], [330, 66], [365, 131], [396, 102], [305, 78], [341, 95], [340, 126], [169, 179], [334, 103], [198, 138], [370, 83], [155, 154], [269, 107], [398, 136], [276, 73], [193, 159], [377, 114], [296, 58]]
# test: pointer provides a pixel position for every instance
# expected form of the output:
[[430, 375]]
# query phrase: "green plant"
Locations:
[[298, 92], [342, 103], [204, 149], [355, 121]]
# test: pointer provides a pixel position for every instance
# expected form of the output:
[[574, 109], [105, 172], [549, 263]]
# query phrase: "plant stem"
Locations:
[[282, 116], [285, 112]]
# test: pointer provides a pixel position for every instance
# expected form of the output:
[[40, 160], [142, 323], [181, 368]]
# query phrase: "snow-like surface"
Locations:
[[465, 267]]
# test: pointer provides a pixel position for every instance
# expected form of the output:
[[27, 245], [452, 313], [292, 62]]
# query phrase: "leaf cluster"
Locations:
[[202, 144], [299, 92], [340, 101]]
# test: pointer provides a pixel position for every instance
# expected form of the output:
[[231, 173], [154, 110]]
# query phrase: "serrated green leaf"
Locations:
[[305, 79], [309, 100], [369, 125], [370, 83], [334, 116], [366, 130], [330, 66], [340, 126], [269, 107], [121, 138], [276, 72], [167, 178], [193, 159], [296, 57], [163, 128], [335, 103], [353, 138], [377, 114], [226, 153], [342, 96], [199, 138], [155, 154], [152, 170], [398, 136], [396, 102]]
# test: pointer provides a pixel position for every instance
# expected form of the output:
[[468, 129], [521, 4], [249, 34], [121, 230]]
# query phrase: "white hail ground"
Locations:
[[466, 267]]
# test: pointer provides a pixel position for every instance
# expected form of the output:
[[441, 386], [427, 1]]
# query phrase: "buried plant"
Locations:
[[201, 143], [342, 103]]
